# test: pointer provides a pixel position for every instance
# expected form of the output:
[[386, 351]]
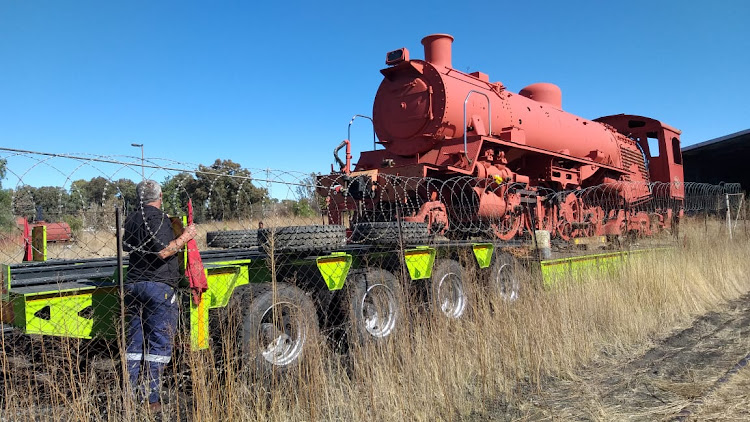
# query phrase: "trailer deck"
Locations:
[[81, 298]]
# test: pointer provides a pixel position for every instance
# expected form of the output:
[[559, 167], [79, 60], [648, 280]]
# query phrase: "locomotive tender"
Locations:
[[504, 162]]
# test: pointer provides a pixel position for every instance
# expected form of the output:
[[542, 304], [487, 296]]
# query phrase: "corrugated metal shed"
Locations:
[[723, 159]]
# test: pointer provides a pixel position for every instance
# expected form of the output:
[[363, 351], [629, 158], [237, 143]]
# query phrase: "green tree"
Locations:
[[23, 202], [53, 201], [78, 194], [126, 192], [225, 190], [99, 190], [176, 190], [7, 222]]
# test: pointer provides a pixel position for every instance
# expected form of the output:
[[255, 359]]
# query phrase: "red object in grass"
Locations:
[[194, 266]]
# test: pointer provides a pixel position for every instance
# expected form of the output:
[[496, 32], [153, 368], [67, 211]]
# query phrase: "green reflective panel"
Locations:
[[59, 316], [419, 262], [483, 253], [334, 268]]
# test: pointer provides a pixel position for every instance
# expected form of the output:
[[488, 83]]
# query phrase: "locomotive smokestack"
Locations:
[[437, 49]]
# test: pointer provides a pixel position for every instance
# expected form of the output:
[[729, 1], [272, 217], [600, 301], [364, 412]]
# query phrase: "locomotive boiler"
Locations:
[[463, 153]]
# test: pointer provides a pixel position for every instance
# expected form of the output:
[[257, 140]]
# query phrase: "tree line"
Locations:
[[223, 190]]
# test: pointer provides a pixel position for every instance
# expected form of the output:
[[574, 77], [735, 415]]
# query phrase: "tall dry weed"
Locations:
[[432, 369]]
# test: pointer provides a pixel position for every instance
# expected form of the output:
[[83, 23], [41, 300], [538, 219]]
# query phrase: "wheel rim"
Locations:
[[281, 335], [506, 283], [507, 227], [379, 311], [451, 296]]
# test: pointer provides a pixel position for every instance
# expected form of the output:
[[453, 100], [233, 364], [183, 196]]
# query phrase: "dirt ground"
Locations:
[[679, 371]]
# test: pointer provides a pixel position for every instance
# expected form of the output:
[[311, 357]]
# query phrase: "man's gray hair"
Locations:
[[148, 191]]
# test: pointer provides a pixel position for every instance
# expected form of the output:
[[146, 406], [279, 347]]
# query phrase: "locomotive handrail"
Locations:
[[349, 131], [489, 118]]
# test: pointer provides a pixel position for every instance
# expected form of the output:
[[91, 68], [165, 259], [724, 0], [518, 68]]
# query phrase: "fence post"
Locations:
[[122, 339], [744, 214], [401, 246], [738, 214], [729, 216]]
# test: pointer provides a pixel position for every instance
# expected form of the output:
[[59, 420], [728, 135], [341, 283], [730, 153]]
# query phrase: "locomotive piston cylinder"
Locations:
[[491, 205]]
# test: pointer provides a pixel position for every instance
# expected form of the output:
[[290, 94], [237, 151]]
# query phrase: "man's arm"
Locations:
[[174, 246]]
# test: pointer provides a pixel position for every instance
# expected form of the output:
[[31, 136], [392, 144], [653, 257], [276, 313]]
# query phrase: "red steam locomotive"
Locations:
[[462, 153]]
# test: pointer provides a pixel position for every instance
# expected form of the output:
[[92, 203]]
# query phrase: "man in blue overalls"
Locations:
[[150, 300]]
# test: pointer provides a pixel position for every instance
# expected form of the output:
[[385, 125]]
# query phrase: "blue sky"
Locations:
[[274, 84]]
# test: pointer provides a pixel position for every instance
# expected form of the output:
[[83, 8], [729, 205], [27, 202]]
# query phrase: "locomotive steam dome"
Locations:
[[544, 92]]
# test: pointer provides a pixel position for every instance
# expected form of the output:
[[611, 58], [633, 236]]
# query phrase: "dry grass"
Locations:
[[440, 370], [730, 403]]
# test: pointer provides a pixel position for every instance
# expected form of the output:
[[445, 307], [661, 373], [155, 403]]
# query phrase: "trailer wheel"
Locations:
[[232, 239], [505, 277], [373, 298], [447, 289], [387, 232], [276, 329], [303, 239]]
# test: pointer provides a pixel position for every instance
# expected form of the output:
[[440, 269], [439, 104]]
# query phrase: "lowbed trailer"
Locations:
[[353, 287]]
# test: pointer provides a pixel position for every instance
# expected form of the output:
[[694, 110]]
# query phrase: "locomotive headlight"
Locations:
[[396, 56]]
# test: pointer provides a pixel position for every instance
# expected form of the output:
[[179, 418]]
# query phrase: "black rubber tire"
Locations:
[[303, 239], [232, 239], [505, 276], [447, 290], [255, 311], [368, 294], [387, 233]]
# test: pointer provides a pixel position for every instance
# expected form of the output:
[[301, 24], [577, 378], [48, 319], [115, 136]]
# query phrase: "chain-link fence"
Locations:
[[107, 285]]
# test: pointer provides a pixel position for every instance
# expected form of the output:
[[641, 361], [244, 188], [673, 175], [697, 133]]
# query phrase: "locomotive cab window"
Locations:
[[676, 153], [653, 145]]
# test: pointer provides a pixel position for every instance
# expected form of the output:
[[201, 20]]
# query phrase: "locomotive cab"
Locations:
[[660, 144]]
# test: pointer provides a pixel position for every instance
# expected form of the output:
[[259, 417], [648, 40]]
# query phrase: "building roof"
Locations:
[[727, 141]]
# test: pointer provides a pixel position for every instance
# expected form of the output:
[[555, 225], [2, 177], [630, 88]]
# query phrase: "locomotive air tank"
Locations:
[[420, 104]]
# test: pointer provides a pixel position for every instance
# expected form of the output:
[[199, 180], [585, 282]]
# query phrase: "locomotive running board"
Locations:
[[552, 153]]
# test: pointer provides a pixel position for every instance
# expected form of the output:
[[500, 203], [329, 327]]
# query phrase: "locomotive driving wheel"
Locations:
[[595, 218], [506, 227], [569, 213], [548, 219]]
